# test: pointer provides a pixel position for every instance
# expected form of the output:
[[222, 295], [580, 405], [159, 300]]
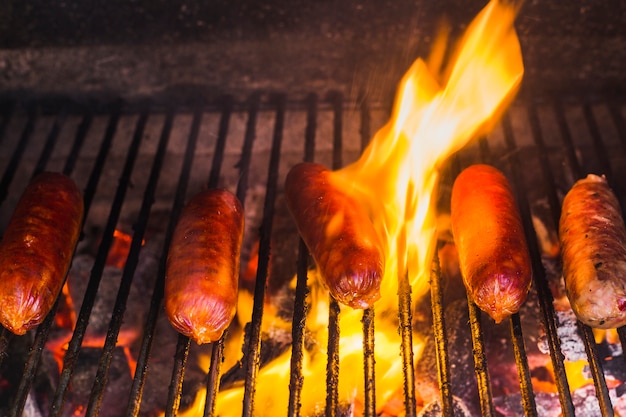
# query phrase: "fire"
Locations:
[[436, 113]]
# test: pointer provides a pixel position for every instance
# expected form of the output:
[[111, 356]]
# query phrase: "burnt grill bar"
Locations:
[[597, 154], [301, 304], [586, 332], [78, 335], [539, 277], [587, 335], [119, 308], [441, 342], [157, 297]]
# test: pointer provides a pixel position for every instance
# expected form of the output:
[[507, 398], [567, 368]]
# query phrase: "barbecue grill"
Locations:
[[556, 139], [139, 151]]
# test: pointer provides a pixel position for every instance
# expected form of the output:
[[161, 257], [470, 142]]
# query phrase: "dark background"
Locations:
[[143, 47]]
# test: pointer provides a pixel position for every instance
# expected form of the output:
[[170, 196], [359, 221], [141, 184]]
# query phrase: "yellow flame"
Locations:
[[396, 180], [397, 175]]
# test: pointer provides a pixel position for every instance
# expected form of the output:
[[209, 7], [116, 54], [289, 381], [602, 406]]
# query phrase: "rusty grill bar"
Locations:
[[542, 144]]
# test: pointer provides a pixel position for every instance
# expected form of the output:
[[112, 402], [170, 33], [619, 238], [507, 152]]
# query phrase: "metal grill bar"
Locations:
[[517, 337], [539, 280], [301, 304], [157, 296], [11, 168], [514, 156], [51, 140], [587, 335], [71, 356], [97, 391], [217, 351], [254, 346], [441, 341]]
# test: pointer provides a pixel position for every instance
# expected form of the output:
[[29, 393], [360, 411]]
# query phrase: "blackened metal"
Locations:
[[484, 150], [6, 112], [301, 304], [441, 341], [105, 146], [589, 342], [542, 154], [5, 339], [406, 349], [16, 157], [366, 120], [81, 134], [336, 100], [265, 232], [539, 275], [596, 139], [368, 315], [178, 374], [217, 350], [480, 360], [51, 140], [298, 324], [43, 329], [311, 127], [515, 327], [139, 379], [222, 133], [213, 377], [82, 320], [246, 152], [32, 362], [41, 336], [332, 365], [595, 367], [369, 362], [132, 259], [523, 369], [566, 137], [620, 125]]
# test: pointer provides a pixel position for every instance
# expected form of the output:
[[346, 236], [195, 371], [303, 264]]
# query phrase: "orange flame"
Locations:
[[396, 180]]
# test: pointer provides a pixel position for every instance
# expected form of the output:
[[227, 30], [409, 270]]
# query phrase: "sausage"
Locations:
[[487, 228], [593, 252], [202, 272], [37, 248], [338, 233]]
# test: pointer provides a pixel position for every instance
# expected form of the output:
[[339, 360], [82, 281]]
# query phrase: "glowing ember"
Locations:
[[435, 114], [119, 249]]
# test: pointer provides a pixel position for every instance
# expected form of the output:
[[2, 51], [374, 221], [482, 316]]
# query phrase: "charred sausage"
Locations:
[[487, 228], [593, 251], [37, 249], [202, 273], [338, 233]]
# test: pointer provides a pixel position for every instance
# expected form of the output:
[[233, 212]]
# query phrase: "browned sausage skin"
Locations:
[[487, 228], [338, 233], [593, 251], [37, 248], [202, 277]]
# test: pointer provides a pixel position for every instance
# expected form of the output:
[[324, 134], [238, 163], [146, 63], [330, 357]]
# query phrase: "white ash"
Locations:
[[572, 345]]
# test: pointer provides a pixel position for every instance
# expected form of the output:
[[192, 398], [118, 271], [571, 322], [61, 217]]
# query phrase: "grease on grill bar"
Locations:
[[107, 350]]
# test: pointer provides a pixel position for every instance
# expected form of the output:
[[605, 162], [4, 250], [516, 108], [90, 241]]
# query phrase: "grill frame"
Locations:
[[278, 105]]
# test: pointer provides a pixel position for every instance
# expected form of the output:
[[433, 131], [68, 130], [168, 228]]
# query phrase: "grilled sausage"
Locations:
[[37, 249], [487, 228], [593, 251], [338, 233], [202, 274]]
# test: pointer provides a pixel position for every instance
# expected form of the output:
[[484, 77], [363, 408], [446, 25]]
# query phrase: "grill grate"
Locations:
[[542, 145]]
